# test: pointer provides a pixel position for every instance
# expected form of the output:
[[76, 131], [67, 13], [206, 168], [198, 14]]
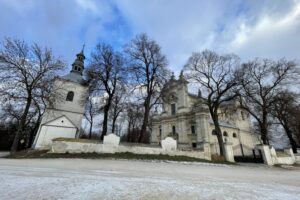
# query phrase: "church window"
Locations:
[[79, 69], [173, 108], [194, 145], [242, 114], [160, 131], [75, 68], [225, 134], [193, 129], [70, 96], [173, 130], [234, 135]]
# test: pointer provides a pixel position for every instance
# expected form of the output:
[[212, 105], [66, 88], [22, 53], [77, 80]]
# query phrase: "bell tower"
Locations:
[[63, 117], [78, 64]]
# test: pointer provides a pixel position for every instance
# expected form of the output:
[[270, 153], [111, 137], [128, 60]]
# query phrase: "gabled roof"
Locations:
[[62, 121]]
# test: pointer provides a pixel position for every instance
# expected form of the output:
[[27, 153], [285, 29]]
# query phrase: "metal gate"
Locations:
[[256, 157]]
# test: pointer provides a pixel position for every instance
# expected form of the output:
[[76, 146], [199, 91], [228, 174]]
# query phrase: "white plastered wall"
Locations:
[[61, 127]]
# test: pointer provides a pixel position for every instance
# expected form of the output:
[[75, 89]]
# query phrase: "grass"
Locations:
[[76, 140], [30, 154]]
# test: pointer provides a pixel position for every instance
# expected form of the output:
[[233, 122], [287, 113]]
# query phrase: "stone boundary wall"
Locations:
[[297, 158], [78, 147], [271, 157]]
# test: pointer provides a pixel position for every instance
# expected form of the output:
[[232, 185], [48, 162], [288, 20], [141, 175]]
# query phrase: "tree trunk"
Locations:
[[34, 132], [219, 134], [113, 125], [91, 129], [104, 126], [21, 126], [264, 127], [292, 140], [145, 120], [264, 132], [264, 138]]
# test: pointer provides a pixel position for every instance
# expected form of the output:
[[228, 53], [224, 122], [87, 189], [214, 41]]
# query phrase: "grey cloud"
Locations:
[[182, 27]]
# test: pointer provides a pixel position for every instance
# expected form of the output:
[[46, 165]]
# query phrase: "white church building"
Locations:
[[186, 118], [64, 116]]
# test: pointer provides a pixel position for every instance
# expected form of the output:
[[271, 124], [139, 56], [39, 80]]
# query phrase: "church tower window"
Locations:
[[70, 96], [193, 129], [173, 108]]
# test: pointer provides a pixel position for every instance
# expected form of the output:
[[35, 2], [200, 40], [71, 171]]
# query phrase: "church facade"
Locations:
[[63, 117], [186, 118]]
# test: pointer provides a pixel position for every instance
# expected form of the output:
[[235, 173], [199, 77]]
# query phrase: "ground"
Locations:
[[129, 179]]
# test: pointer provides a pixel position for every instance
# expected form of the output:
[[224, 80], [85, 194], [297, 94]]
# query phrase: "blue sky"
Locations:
[[249, 28]]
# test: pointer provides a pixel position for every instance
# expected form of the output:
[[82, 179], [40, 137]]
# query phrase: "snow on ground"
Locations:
[[122, 179]]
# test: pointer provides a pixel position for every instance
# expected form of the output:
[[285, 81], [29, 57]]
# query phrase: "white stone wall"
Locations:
[[59, 127], [111, 139], [48, 133], [72, 110], [169, 144], [297, 158], [62, 87], [271, 157], [77, 147]]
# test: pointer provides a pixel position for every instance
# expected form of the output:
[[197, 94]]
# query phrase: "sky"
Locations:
[[248, 28]]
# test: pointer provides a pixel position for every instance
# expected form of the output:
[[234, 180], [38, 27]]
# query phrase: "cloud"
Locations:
[[63, 25], [273, 36], [264, 28], [248, 28]]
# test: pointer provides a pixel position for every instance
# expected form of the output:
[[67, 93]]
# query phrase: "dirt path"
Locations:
[[121, 179]]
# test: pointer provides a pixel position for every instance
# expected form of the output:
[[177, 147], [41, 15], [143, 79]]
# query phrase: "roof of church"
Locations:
[[223, 123], [74, 77]]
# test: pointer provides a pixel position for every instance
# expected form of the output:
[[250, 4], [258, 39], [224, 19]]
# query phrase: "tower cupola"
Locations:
[[78, 64]]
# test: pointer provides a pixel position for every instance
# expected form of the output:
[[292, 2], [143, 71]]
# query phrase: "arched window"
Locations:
[[160, 131], [70, 96], [234, 135], [173, 130], [225, 134]]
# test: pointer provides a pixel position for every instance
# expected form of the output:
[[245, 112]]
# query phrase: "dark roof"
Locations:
[[74, 77], [223, 123]]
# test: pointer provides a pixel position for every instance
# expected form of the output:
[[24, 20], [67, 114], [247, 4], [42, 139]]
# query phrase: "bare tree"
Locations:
[[284, 110], [295, 123], [105, 71], [118, 106], [91, 110], [24, 70], [215, 74], [135, 120], [149, 67], [260, 81]]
